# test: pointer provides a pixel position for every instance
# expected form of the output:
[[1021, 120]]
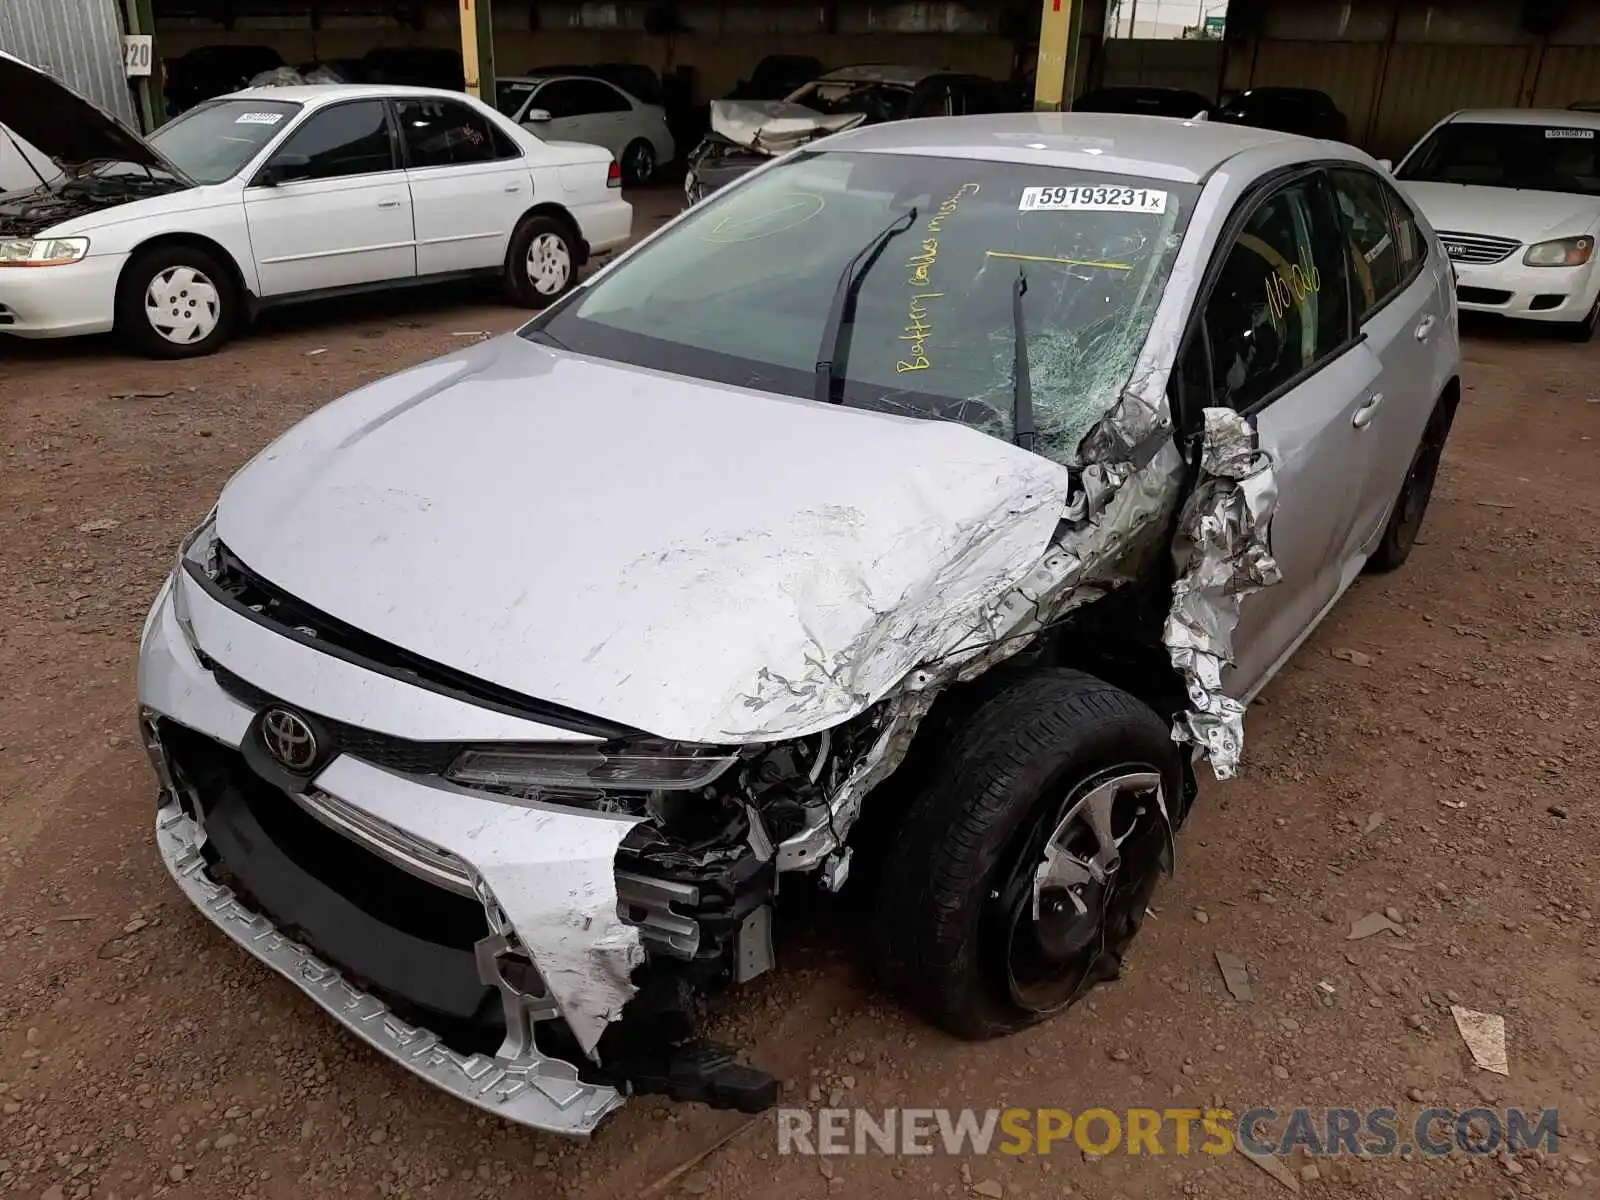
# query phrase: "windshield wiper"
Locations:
[[1023, 432], [831, 351]]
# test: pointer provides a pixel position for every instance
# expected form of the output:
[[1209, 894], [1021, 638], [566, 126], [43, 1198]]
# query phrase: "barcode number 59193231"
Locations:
[[1093, 198]]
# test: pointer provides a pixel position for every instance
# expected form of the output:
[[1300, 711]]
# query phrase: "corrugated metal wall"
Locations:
[[1165, 62], [77, 41], [1397, 66]]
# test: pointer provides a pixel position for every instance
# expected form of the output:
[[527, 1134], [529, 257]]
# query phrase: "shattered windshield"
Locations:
[[739, 291], [213, 142], [1545, 158]]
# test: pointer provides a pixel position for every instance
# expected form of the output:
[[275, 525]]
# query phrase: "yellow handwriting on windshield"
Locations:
[[919, 327], [917, 330]]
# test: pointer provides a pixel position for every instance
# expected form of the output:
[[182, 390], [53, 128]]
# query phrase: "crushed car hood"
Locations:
[[697, 561], [58, 122], [1528, 216], [776, 126]]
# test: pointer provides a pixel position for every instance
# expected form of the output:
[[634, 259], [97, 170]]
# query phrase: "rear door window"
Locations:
[[1374, 246], [441, 133]]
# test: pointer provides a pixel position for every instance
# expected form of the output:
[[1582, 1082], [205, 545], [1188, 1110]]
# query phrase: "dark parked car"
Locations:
[[1145, 101], [415, 66], [776, 76], [1289, 110], [208, 71]]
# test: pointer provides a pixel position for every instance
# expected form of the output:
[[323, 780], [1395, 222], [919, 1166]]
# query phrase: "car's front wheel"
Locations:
[[176, 302], [542, 263], [1018, 880]]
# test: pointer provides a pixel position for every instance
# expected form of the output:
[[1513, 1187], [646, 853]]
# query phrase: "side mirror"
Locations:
[[536, 116], [285, 168], [1387, 164]]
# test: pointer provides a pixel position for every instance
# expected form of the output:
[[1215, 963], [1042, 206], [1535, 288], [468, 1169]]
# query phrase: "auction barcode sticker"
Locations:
[[258, 118], [1581, 134], [1093, 198]]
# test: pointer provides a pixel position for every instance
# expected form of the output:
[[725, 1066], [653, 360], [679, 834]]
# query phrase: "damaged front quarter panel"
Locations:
[[1223, 552]]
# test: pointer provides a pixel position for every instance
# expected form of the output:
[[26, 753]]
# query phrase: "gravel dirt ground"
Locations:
[[1431, 752]]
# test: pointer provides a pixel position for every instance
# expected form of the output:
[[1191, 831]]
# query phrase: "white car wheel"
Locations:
[[182, 305], [549, 264]]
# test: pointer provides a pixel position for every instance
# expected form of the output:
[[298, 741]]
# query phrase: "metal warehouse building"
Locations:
[[1394, 66]]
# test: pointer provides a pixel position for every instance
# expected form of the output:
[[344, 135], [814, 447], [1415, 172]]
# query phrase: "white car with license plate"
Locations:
[[275, 195], [1515, 196], [579, 108], [911, 515]]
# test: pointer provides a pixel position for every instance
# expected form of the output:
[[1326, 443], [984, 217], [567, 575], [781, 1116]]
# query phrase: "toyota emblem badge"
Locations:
[[289, 738]]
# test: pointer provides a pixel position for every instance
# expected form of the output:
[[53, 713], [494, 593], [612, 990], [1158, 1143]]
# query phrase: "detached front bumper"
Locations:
[[1513, 289], [431, 906]]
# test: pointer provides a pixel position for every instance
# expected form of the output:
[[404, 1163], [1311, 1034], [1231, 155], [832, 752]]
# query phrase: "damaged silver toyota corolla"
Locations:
[[918, 511]]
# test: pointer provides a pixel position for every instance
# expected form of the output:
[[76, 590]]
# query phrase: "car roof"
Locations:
[[314, 94], [1159, 147], [880, 73], [1568, 118]]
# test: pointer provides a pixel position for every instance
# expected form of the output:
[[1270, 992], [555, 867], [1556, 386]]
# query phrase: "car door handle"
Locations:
[[1425, 328], [388, 204], [513, 187], [1369, 409]]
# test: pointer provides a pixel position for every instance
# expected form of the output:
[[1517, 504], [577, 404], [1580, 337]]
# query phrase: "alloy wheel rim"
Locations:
[[643, 164], [183, 305], [549, 264], [1075, 894]]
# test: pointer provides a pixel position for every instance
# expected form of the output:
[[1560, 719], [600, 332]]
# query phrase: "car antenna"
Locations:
[[1022, 379], [831, 349]]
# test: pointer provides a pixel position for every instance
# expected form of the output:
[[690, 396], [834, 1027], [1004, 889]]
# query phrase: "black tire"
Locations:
[[948, 923], [532, 279], [1405, 522], [639, 164], [207, 310], [1583, 331]]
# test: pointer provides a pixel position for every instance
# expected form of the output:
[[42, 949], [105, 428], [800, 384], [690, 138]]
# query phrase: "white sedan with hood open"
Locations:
[[275, 195], [1515, 196], [893, 519]]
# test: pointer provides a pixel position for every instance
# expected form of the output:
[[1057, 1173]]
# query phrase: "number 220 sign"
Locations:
[[137, 53]]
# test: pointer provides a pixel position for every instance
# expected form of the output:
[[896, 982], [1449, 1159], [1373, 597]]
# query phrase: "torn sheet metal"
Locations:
[[776, 126], [551, 870], [1091, 554], [1223, 553]]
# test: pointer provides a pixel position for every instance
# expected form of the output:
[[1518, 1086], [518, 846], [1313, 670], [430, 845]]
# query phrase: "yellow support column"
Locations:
[[477, 48], [1060, 27]]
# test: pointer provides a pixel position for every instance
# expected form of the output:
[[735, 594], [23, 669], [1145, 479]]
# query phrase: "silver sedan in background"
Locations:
[[914, 516]]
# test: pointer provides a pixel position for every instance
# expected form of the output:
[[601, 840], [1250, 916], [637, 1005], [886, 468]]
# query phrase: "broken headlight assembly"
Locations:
[[587, 774], [200, 549]]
